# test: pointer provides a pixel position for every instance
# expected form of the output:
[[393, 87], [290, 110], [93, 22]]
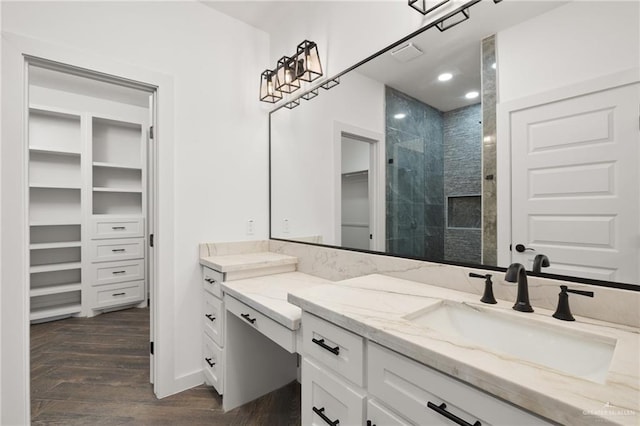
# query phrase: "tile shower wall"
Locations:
[[415, 177], [463, 184]]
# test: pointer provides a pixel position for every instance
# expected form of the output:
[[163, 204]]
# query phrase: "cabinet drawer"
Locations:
[[116, 227], [408, 386], [212, 363], [115, 272], [211, 280], [116, 249], [336, 347], [265, 325], [326, 398], [379, 415], [213, 318], [119, 294]]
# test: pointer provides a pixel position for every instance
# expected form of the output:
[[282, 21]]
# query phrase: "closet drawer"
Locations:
[[275, 331], [116, 227], [212, 362], [408, 386], [115, 272], [213, 318], [328, 400], [119, 294], [211, 280], [336, 347], [116, 249]]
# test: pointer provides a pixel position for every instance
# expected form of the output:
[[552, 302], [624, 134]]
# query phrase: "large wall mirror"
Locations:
[[510, 135]]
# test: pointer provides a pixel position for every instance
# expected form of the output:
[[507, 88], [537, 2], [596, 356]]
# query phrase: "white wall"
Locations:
[[576, 42], [220, 129], [304, 163]]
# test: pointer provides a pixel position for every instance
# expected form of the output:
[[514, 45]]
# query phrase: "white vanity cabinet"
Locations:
[[213, 325], [425, 396], [349, 380]]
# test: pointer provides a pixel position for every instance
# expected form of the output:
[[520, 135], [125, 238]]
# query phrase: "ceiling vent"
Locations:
[[406, 53]]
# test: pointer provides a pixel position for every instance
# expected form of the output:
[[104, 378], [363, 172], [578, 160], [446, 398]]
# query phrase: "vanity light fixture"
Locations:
[[290, 71], [472, 95], [310, 94], [288, 81], [331, 83], [400, 116], [445, 76], [268, 91], [308, 66], [424, 8], [454, 20], [292, 104]]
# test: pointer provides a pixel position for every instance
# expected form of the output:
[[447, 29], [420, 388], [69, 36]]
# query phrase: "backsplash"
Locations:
[[609, 304]]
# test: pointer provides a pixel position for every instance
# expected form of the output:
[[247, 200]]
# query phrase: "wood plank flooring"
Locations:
[[95, 371]]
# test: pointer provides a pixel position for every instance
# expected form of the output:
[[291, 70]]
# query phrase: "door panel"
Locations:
[[575, 184]]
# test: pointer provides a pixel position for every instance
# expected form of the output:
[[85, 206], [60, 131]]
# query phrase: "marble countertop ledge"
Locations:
[[268, 294], [247, 261], [375, 306]]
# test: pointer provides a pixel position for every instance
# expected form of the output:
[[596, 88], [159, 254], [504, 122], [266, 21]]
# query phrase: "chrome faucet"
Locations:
[[539, 262], [517, 273]]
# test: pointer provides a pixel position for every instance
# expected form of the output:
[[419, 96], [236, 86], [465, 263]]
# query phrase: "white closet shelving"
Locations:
[[55, 213], [87, 202]]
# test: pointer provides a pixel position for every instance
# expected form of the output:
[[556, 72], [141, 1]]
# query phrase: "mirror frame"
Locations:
[[567, 278]]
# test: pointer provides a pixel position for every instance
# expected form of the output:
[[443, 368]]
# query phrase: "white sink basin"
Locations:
[[579, 354]]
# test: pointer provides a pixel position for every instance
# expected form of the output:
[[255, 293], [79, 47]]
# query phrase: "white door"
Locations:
[[575, 181]]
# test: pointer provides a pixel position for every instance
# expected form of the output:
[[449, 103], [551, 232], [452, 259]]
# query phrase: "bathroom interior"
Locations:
[[438, 225]]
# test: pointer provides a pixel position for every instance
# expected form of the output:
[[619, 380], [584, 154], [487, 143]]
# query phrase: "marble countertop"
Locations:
[[246, 261], [377, 306], [268, 294]]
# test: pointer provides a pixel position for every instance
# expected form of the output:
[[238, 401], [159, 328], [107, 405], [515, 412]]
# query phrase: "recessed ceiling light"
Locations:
[[472, 95], [493, 65], [445, 76], [400, 116]]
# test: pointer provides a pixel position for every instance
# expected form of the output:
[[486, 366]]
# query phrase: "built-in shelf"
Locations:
[[55, 267], [54, 186], [62, 244], [55, 289], [54, 151], [115, 165], [54, 222], [133, 190], [55, 311]]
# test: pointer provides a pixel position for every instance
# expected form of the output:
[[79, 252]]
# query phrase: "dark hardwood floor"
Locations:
[[95, 371]]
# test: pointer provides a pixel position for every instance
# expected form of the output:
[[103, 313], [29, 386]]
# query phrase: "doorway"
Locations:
[[91, 166], [359, 188]]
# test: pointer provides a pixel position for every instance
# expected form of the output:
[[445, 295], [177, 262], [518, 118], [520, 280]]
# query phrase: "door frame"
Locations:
[[14, 299], [503, 137], [377, 216]]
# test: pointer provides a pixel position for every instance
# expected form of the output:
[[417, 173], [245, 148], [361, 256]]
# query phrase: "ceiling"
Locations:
[[456, 50]]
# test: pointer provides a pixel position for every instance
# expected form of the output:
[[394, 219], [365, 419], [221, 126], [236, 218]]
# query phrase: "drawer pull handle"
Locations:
[[210, 280], [320, 412], [210, 362], [117, 250], [246, 316], [442, 410], [118, 228], [211, 317], [323, 345], [118, 272], [118, 294]]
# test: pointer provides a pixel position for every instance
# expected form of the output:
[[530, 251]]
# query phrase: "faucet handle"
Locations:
[[563, 312], [487, 297]]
